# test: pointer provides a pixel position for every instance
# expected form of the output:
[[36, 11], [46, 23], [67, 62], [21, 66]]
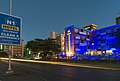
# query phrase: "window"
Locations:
[[76, 46], [88, 36], [102, 31], [103, 41], [76, 30], [81, 41], [83, 37], [98, 32], [76, 41], [88, 47], [108, 31], [110, 45], [115, 29]]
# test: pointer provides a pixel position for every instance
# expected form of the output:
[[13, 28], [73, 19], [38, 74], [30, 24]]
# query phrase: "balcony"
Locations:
[[84, 33], [83, 44], [103, 44], [112, 37], [103, 33], [77, 37]]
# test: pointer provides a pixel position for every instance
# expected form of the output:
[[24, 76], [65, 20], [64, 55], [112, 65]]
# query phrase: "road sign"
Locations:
[[10, 29]]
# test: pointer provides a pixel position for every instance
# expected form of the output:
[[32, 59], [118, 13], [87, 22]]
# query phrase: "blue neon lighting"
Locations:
[[100, 40]]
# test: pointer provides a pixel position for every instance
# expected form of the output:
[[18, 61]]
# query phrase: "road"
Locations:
[[24, 71]]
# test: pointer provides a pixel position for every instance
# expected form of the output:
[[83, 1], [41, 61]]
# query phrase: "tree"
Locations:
[[35, 45], [51, 46], [46, 47]]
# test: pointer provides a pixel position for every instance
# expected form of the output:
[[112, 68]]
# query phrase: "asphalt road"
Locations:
[[24, 71]]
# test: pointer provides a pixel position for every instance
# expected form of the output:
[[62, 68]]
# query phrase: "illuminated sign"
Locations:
[[10, 29]]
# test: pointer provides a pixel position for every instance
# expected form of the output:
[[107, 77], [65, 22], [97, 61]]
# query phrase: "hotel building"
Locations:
[[75, 41], [91, 41]]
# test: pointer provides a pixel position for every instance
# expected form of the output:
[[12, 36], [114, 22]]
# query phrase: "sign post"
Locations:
[[10, 32]]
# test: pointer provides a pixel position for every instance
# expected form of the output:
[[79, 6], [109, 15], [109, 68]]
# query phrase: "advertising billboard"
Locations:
[[10, 29]]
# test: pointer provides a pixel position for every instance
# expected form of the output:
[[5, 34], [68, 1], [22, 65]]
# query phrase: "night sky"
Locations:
[[42, 16]]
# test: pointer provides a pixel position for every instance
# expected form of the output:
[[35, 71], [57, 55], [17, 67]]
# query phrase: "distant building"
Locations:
[[53, 35], [18, 50], [90, 27], [62, 41], [15, 50]]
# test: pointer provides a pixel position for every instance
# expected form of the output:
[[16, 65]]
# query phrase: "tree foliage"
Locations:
[[45, 46]]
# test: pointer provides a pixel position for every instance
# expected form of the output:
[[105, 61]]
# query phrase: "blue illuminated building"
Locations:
[[92, 43], [75, 41]]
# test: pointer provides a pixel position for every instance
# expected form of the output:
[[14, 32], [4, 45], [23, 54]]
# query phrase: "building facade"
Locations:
[[53, 35], [18, 50], [75, 41], [15, 50], [105, 39], [91, 41]]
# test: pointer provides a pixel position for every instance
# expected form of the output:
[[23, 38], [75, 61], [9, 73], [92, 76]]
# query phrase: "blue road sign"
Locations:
[[10, 29]]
